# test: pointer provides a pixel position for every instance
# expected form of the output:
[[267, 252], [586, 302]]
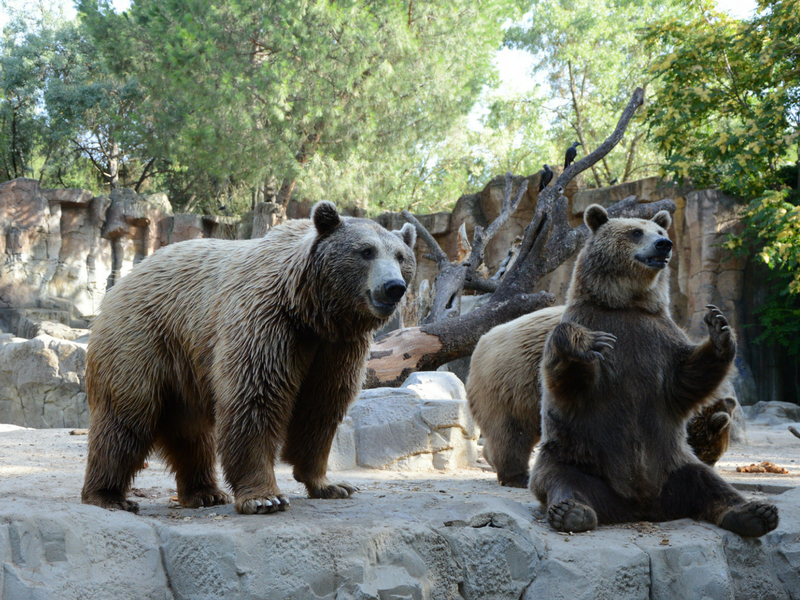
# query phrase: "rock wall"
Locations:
[[42, 382], [62, 249]]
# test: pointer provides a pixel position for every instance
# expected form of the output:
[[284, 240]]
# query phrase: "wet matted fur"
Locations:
[[264, 340]]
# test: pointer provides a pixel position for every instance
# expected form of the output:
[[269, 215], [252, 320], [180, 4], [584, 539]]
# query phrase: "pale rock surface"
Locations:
[[405, 535], [425, 423], [773, 413], [42, 382]]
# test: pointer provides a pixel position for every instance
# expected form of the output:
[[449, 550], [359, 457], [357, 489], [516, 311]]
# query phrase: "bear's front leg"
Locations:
[[571, 357], [255, 384], [249, 432], [332, 384], [705, 365]]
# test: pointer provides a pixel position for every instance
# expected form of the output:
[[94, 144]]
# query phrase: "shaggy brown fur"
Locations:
[[620, 378], [267, 339], [504, 391]]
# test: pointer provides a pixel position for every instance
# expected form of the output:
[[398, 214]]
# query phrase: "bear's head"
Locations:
[[623, 263], [362, 270]]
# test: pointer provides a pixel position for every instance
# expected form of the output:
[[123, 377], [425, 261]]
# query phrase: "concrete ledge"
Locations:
[[424, 534]]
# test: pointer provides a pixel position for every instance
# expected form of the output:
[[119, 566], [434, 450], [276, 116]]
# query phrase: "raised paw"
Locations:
[[600, 343], [569, 515], [328, 491], [719, 331], [200, 498], [261, 505], [753, 519]]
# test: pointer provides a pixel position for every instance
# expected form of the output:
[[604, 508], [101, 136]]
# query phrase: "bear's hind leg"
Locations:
[[508, 449], [576, 501], [188, 445], [696, 491], [116, 453]]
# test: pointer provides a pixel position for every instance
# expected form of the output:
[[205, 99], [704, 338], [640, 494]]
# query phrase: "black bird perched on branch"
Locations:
[[572, 152], [547, 177]]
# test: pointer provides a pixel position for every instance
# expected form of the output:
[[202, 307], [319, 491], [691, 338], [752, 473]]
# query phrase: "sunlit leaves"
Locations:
[[726, 114]]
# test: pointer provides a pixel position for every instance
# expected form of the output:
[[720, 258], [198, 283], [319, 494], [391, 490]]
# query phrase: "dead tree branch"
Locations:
[[548, 242]]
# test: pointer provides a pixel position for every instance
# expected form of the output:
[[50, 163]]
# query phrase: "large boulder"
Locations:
[[422, 425], [42, 382]]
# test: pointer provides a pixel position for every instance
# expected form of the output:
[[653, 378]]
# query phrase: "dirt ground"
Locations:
[[52, 463]]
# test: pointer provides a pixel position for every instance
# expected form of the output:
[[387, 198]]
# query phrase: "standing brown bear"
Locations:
[[266, 339], [619, 379]]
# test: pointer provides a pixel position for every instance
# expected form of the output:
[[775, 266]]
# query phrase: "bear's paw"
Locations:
[[571, 516], [261, 505], [329, 491], [753, 519], [200, 498], [719, 331]]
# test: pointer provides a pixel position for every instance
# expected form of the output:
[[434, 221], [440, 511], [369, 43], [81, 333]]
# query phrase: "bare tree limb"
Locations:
[[482, 238], [548, 241], [530, 266], [436, 253]]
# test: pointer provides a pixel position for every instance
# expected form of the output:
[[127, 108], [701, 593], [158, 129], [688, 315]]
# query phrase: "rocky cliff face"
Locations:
[[62, 249]]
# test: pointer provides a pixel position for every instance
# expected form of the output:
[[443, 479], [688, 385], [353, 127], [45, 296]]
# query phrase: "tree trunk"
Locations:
[[579, 120], [398, 354], [286, 191], [113, 165], [266, 216]]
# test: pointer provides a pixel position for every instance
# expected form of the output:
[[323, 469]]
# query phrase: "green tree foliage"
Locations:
[[63, 117], [319, 97], [728, 116], [728, 112], [505, 137], [593, 58]]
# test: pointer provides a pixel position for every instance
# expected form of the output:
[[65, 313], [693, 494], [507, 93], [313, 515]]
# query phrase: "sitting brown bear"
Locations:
[[504, 391], [619, 379]]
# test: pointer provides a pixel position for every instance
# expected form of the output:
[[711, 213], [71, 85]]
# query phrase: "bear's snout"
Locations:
[[394, 289], [664, 246]]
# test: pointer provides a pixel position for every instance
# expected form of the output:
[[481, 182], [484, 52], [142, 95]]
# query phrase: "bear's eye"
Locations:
[[637, 233], [400, 258], [367, 253]]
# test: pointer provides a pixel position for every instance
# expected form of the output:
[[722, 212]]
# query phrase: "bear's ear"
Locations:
[[407, 233], [325, 217], [662, 219], [595, 216]]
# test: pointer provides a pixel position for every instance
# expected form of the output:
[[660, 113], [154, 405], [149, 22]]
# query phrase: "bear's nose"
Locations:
[[664, 245], [394, 289]]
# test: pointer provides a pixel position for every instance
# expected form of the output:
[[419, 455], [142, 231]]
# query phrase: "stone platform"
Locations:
[[416, 534]]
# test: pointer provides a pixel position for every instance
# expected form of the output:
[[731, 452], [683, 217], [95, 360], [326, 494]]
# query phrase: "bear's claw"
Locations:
[[569, 515], [718, 329], [602, 342], [753, 519], [332, 491], [262, 505], [112, 502], [204, 498]]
